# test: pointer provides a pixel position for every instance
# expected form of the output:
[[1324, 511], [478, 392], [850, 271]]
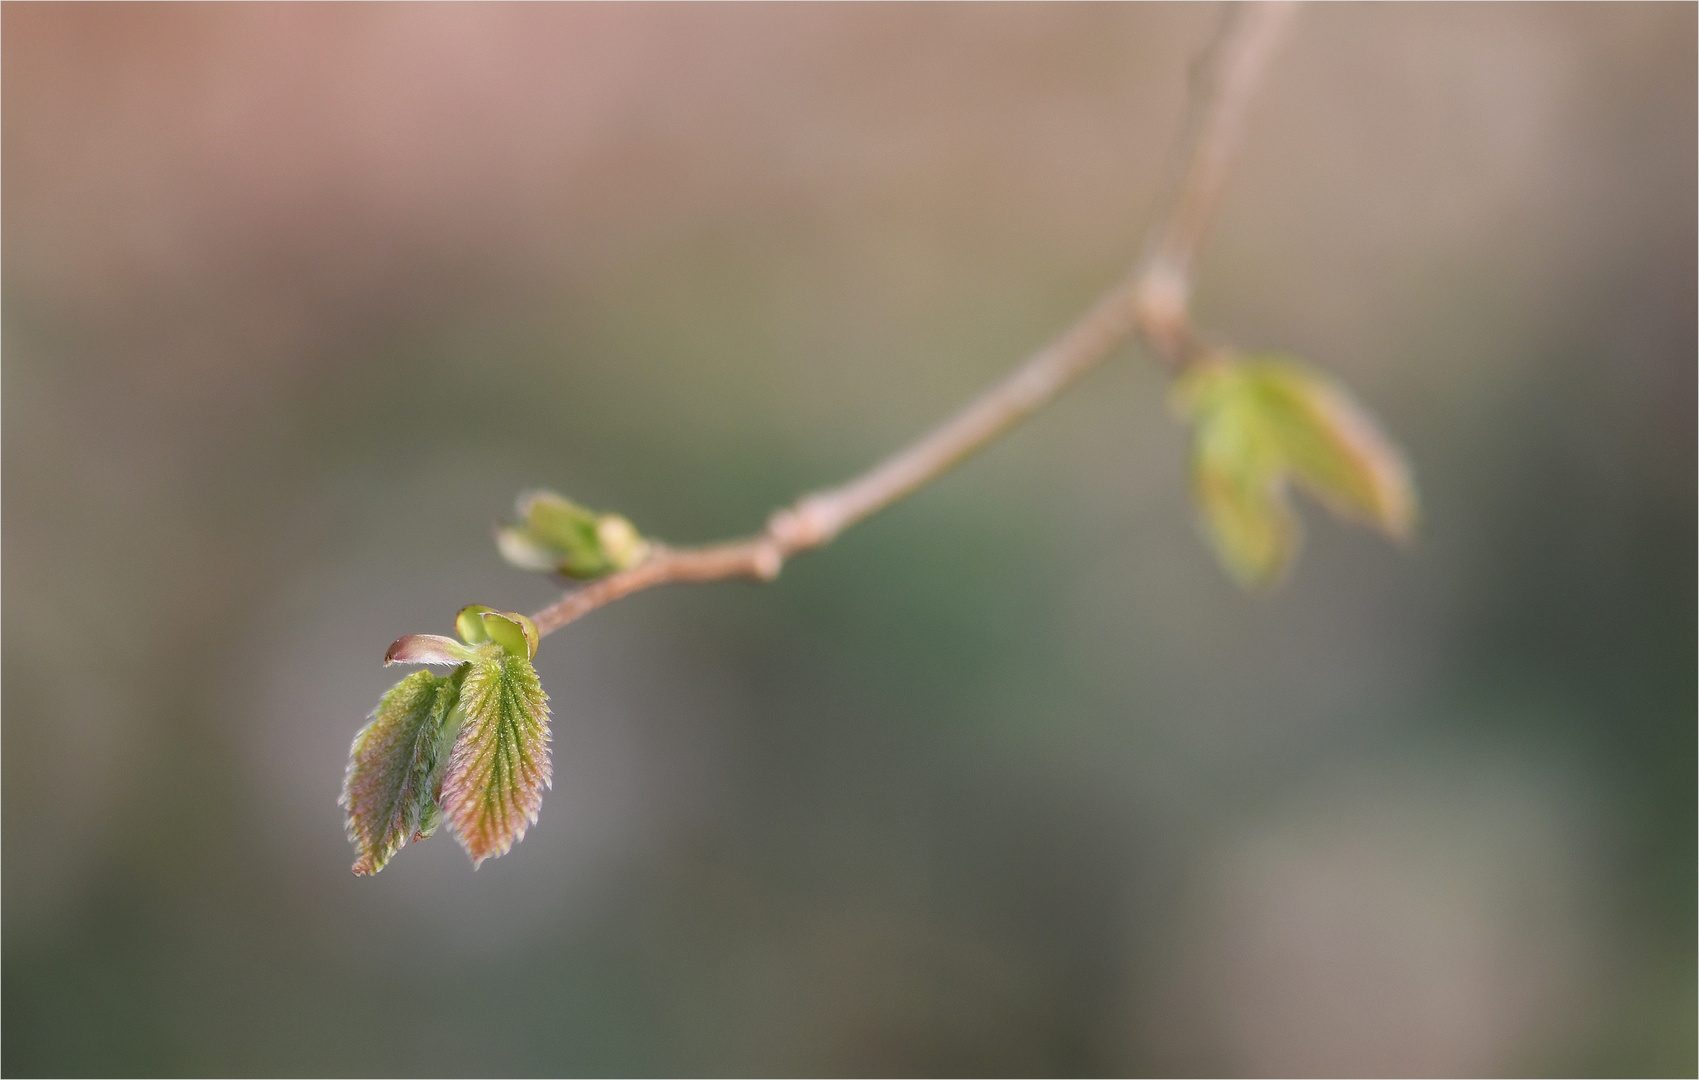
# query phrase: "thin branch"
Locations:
[[1224, 82], [1152, 303]]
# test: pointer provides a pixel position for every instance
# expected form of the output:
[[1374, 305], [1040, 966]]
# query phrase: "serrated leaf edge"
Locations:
[[488, 813], [377, 842]]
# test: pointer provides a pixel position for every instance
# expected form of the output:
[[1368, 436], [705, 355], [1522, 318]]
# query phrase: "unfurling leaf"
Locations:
[[1240, 492], [500, 765], [395, 765], [556, 534], [513, 632], [1335, 449], [477, 624], [427, 649], [1261, 422], [469, 624]]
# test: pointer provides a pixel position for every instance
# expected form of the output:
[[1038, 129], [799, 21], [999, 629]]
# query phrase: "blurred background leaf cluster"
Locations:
[[1008, 780]]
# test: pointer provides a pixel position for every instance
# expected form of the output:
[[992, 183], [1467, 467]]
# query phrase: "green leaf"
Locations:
[[1334, 448], [556, 534], [1239, 487], [500, 765], [469, 624], [395, 765], [478, 625], [1261, 422]]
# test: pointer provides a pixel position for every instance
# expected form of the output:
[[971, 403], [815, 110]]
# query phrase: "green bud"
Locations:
[[557, 535], [515, 633], [469, 624], [620, 541]]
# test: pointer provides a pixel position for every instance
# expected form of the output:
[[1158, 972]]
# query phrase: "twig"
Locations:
[[1152, 302], [1224, 81]]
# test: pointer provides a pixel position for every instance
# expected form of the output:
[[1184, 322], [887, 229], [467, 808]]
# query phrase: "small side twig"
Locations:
[[1152, 303]]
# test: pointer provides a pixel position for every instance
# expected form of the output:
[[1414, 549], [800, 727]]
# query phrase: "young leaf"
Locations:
[[1253, 530], [1334, 448], [427, 649], [1238, 482], [394, 766], [479, 625], [500, 764], [1258, 423], [512, 631], [469, 624]]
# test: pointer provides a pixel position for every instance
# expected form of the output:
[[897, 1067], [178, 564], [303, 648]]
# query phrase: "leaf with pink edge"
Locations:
[[427, 649], [500, 765], [395, 766]]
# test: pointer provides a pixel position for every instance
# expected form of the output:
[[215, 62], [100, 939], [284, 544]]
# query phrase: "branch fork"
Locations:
[[1152, 303]]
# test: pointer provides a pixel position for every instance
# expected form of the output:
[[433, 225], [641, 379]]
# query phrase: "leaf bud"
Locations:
[[557, 535]]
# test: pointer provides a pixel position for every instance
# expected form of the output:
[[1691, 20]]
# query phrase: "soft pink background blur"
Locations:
[[1008, 781]]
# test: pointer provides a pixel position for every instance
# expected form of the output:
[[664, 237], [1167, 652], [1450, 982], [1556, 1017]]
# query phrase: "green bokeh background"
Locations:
[[1009, 780]]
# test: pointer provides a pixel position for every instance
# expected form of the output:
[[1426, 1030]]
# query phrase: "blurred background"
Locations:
[[1009, 780]]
